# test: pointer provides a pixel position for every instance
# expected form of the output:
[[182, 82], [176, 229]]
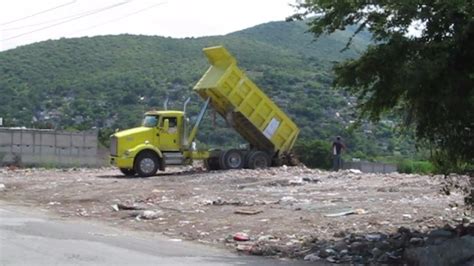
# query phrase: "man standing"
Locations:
[[337, 147]]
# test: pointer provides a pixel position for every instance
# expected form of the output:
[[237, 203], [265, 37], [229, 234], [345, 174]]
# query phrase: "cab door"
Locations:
[[169, 134]]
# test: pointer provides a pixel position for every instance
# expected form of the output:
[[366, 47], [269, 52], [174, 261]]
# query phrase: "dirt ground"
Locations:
[[282, 211]]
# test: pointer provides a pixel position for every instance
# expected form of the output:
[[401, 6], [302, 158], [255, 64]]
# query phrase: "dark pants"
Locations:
[[337, 162]]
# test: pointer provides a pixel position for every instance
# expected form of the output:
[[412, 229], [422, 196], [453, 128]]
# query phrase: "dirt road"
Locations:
[[29, 237], [285, 212]]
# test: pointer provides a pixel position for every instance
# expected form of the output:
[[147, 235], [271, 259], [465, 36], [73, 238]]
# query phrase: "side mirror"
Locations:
[[166, 125]]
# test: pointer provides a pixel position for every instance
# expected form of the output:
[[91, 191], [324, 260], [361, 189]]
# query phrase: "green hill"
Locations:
[[109, 81]]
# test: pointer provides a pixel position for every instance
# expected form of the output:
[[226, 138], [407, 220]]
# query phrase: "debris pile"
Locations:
[[405, 246]]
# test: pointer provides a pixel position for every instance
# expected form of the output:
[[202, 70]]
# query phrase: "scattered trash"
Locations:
[[221, 202], [355, 171], [247, 211], [344, 213], [82, 212], [373, 237], [52, 203], [311, 179], [241, 237], [296, 182], [2, 187], [125, 207], [312, 257], [267, 238], [287, 199], [324, 253], [244, 247], [149, 215]]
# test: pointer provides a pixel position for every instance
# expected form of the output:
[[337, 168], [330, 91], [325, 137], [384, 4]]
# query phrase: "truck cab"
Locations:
[[168, 127], [158, 141]]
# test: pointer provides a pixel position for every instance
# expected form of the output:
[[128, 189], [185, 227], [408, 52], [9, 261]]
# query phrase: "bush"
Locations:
[[314, 154], [444, 165], [415, 167]]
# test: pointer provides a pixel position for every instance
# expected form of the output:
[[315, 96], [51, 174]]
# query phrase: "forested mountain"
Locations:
[[107, 82]]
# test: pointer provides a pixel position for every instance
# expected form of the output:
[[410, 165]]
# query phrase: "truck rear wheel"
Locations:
[[231, 159], [146, 164], [258, 159], [127, 172]]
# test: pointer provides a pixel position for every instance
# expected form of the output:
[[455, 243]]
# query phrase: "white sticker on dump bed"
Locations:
[[271, 128]]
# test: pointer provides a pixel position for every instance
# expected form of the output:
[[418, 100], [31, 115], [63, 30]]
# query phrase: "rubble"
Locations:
[[450, 252], [293, 212]]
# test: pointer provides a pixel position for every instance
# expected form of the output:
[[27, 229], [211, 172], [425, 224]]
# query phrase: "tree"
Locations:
[[419, 66]]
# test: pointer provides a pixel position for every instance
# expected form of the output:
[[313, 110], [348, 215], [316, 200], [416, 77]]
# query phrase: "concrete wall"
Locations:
[[369, 167], [48, 147]]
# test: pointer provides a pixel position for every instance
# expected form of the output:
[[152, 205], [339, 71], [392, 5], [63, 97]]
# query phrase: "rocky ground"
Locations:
[[292, 212]]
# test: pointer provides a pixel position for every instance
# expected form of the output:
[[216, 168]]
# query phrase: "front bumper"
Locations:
[[122, 162]]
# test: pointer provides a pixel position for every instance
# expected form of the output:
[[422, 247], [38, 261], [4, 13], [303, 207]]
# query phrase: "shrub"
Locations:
[[415, 167], [314, 153]]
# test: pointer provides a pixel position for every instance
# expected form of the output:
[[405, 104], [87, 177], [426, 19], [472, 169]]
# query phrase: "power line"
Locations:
[[69, 20], [49, 21], [123, 17], [38, 13]]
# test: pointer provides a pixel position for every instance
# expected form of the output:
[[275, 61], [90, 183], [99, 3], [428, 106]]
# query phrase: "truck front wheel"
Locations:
[[146, 164]]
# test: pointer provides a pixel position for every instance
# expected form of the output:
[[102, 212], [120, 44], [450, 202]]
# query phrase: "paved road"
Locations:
[[29, 238]]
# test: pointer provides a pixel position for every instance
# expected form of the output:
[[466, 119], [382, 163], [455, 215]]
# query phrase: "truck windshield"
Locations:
[[150, 121]]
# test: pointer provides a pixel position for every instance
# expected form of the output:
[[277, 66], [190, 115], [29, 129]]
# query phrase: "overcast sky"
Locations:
[[28, 21]]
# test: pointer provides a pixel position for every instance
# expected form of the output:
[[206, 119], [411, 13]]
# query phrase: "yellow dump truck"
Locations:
[[165, 137]]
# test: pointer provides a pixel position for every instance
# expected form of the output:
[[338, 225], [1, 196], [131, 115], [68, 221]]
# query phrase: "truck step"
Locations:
[[173, 158]]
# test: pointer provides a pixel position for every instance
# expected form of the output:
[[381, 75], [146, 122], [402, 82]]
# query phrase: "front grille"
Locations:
[[113, 146]]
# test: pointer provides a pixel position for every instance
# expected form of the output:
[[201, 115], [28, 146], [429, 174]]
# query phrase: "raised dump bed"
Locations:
[[245, 106]]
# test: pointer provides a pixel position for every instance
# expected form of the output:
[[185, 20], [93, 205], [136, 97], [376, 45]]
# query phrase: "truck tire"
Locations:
[[146, 164], [258, 159], [127, 172], [231, 159], [212, 164]]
